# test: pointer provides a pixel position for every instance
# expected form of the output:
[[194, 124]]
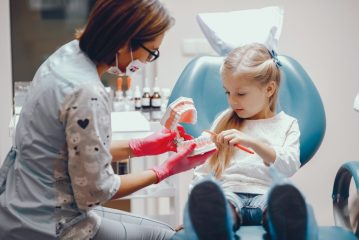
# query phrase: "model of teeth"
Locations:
[[183, 111], [203, 144], [180, 111]]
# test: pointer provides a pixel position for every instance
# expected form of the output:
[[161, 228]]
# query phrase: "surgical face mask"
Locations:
[[132, 67], [119, 80]]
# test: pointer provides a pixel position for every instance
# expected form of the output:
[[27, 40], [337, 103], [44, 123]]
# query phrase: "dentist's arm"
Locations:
[[135, 181], [154, 144], [176, 163], [120, 150]]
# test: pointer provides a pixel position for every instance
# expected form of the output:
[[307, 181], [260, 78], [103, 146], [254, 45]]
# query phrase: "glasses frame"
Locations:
[[153, 55]]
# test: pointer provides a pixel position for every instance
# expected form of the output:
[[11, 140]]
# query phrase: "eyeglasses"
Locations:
[[153, 55]]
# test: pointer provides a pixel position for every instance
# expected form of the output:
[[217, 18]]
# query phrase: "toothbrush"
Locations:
[[237, 145]]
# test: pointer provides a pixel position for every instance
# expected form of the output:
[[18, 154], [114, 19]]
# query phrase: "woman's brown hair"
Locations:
[[113, 24], [252, 61]]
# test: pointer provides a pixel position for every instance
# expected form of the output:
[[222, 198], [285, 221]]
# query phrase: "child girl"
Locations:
[[251, 78]]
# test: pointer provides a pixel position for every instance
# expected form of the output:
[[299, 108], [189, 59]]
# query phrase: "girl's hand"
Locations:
[[232, 136]]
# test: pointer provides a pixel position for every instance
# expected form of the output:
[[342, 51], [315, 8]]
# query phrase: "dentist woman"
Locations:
[[58, 173]]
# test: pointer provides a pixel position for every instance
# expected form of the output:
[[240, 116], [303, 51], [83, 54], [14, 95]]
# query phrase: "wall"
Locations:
[[5, 82], [323, 36]]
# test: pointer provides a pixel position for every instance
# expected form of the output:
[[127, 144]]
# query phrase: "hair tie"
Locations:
[[275, 58]]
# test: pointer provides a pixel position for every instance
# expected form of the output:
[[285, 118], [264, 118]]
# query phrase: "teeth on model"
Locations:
[[182, 110]]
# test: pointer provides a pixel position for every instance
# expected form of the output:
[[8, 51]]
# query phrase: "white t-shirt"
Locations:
[[247, 173]]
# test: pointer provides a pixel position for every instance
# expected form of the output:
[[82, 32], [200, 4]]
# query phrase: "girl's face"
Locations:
[[248, 99]]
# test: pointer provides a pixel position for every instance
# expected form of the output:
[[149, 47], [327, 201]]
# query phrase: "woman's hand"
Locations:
[[181, 162], [232, 136], [183, 133], [157, 143]]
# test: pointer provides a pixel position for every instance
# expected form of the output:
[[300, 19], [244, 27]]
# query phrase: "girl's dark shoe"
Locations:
[[286, 213], [210, 213]]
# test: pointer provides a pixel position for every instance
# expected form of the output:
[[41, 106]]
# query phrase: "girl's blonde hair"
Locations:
[[252, 61]]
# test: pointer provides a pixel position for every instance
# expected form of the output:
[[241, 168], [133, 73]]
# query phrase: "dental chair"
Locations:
[[298, 97]]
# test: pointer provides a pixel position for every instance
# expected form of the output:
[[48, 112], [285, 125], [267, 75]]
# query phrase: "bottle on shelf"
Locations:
[[111, 94], [146, 98], [137, 98], [118, 102], [129, 101], [156, 99]]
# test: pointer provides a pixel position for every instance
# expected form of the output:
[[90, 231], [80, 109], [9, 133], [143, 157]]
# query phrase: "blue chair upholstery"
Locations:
[[298, 97]]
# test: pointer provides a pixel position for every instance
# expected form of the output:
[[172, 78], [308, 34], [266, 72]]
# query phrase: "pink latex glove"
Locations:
[[157, 143], [180, 162], [183, 133]]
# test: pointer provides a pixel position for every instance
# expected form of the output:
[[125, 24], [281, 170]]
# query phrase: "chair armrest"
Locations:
[[340, 195]]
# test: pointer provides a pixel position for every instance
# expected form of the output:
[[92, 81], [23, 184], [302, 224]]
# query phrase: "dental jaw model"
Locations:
[[183, 111], [180, 111], [203, 144]]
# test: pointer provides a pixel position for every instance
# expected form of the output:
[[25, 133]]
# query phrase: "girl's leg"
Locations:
[[236, 218], [249, 207], [258, 201], [237, 202], [208, 214], [117, 224]]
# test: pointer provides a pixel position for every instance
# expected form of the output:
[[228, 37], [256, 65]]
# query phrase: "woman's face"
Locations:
[[247, 98], [141, 54]]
